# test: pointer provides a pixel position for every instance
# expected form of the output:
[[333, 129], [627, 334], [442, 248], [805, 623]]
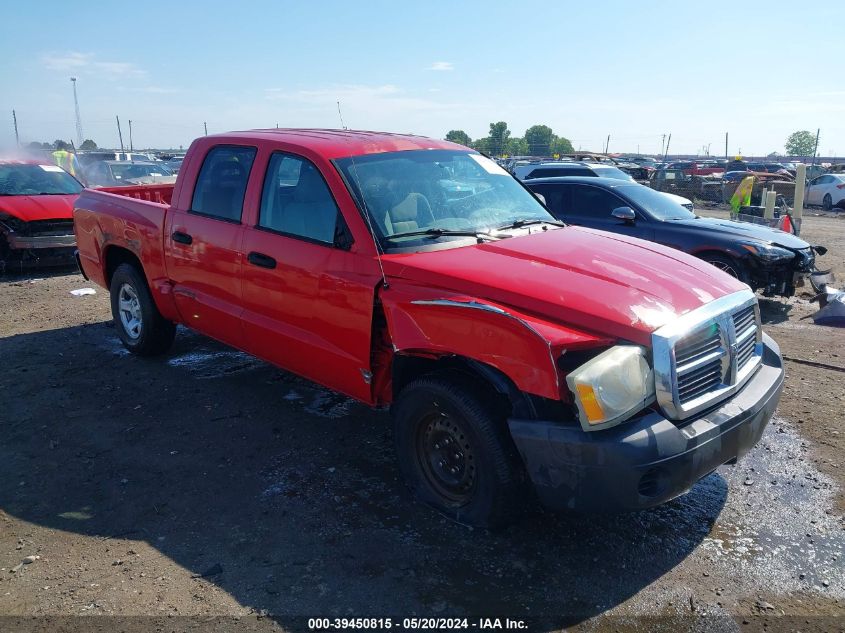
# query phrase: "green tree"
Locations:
[[516, 146], [800, 143], [562, 145], [499, 135], [539, 139], [88, 144], [459, 136], [59, 144], [483, 145]]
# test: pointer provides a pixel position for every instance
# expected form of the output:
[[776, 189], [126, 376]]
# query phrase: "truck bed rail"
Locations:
[[162, 194]]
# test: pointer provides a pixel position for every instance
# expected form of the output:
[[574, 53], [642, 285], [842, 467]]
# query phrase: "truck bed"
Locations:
[[128, 218]]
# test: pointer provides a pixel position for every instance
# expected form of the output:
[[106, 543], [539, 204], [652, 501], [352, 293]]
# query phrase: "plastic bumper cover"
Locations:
[[649, 459]]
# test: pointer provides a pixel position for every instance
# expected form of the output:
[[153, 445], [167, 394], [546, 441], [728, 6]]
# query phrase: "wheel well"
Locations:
[[117, 255], [712, 251], [489, 381]]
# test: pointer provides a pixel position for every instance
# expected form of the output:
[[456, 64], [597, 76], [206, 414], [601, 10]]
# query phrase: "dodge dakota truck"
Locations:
[[521, 358]]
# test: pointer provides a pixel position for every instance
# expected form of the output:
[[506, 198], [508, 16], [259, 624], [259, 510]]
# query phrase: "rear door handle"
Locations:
[[260, 259], [182, 238]]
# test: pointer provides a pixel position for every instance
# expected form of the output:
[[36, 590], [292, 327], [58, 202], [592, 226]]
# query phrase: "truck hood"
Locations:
[[745, 230], [599, 282], [31, 208]]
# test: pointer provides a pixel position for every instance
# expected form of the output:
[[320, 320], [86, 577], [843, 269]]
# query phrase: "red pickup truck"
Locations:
[[516, 353]]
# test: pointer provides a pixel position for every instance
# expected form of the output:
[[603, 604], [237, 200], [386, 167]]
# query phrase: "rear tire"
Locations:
[[727, 264], [827, 202], [455, 452], [140, 326]]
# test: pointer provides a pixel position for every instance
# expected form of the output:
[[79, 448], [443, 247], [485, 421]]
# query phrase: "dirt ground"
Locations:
[[209, 491]]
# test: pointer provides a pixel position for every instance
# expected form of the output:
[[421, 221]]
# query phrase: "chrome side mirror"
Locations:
[[541, 198], [624, 213]]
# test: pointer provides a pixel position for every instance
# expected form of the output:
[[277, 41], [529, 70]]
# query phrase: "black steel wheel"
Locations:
[[455, 451], [447, 457]]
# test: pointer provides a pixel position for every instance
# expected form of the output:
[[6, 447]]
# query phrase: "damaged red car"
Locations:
[[521, 358], [36, 214]]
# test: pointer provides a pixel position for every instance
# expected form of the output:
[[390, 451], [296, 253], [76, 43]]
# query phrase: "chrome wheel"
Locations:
[[725, 267], [130, 311]]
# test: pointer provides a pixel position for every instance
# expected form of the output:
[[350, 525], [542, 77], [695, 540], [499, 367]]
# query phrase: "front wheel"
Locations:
[[455, 453], [140, 326], [827, 202], [728, 265]]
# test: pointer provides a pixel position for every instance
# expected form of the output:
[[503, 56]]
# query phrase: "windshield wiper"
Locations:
[[518, 224], [438, 232]]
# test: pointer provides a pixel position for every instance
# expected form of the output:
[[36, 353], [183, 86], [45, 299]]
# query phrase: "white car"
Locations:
[[827, 190]]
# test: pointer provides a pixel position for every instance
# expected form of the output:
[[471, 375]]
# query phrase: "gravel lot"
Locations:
[[207, 483]]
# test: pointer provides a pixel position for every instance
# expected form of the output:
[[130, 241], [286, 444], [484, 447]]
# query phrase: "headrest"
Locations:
[[406, 210]]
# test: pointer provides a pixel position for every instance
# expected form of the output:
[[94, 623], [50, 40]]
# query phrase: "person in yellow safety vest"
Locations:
[[742, 195], [67, 161]]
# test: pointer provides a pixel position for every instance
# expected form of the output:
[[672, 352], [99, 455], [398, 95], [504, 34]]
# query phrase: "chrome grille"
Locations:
[[699, 362], [704, 356]]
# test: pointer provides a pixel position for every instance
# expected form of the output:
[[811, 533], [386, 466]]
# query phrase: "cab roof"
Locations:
[[333, 143]]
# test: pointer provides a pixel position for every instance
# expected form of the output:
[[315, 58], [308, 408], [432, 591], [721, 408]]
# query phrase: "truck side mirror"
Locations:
[[626, 214], [541, 198]]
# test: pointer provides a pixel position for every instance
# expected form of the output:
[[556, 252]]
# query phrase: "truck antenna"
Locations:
[[340, 114]]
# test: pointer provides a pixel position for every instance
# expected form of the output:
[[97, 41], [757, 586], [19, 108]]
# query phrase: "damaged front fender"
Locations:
[[428, 322]]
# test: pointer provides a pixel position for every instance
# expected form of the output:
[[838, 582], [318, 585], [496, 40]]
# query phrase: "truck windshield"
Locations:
[[33, 180], [419, 196]]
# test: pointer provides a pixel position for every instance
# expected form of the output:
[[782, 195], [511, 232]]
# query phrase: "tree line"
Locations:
[[58, 144], [538, 140]]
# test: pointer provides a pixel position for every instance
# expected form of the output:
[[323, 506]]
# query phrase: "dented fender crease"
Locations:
[[427, 321]]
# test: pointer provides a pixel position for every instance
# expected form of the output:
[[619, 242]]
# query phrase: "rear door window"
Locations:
[[221, 184]]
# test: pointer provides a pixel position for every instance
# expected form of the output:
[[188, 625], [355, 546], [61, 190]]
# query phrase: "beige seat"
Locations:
[[409, 215]]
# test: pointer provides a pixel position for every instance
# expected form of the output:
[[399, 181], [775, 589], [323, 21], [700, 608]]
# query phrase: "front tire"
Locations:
[[455, 453], [728, 265], [140, 326], [827, 202]]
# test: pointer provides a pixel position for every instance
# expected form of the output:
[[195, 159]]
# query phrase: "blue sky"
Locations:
[[634, 70]]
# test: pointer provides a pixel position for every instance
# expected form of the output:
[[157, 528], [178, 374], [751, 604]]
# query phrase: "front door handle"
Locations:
[[260, 259], [182, 238]]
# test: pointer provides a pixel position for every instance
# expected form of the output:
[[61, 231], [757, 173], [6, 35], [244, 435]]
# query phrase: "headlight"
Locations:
[[612, 386], [768, 252]]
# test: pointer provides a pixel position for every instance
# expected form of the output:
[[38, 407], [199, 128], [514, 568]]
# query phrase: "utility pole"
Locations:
[[816, 147], [662, 145], [79, 138], [607, 144], [666, 153], [726, 144], [15, 120], [205, 126], [119, 133], [130, 136]]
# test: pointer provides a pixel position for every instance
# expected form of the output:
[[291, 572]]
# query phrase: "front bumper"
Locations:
[[20, 243], [648, 460]]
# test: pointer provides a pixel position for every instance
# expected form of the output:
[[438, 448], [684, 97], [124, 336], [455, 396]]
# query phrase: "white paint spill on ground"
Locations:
[[209, 363]]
